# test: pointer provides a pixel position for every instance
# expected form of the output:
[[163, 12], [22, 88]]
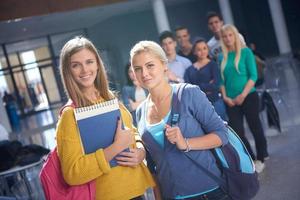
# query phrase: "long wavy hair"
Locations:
[[71, 87], [238, 45]]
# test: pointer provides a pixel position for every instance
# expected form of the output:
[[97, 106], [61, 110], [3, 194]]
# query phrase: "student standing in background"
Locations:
[[238, 71], [185, 45], [206, 74], [176, 64], [215, 23]]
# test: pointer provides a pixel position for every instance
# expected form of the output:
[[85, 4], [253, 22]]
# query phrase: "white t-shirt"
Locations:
[[179, 65], [140, 94], [215, 47]]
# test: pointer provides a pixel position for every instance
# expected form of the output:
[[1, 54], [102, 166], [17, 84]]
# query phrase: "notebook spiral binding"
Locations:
[[96, 106]]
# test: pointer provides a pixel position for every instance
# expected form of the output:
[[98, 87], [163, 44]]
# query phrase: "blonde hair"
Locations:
[[149, 47], [71, 87], [238, 45]]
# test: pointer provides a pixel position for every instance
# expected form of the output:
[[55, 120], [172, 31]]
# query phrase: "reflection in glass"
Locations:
[[35, 88]]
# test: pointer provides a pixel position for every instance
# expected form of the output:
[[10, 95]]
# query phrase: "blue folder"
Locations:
[[97, 125]]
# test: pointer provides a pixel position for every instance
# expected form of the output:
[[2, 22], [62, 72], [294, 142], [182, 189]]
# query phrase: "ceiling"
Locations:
[[19, 29], [30, 27]]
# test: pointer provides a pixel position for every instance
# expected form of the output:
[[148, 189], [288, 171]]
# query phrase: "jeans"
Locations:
[[220, 109]]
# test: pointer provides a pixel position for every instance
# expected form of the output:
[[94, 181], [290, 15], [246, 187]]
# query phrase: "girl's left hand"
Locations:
[[174, 136], [132, 158], [239, 100]]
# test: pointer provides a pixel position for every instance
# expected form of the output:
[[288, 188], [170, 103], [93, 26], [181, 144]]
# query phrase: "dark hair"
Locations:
[[213, 14], [179, 28], [127, 67], [166, 34], [196, 41]]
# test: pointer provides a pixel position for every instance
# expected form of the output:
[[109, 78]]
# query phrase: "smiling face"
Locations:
[[149, 70], [201, 50], [84, 68]]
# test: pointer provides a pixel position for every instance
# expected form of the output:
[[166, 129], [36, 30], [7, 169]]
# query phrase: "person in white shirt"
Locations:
[[215, 23]]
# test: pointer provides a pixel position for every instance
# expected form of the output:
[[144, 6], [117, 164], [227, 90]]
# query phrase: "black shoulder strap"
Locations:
[[177, 94], [174, 121], [139, 111]]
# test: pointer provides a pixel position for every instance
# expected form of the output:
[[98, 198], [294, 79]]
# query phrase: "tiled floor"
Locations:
[[281, 178]]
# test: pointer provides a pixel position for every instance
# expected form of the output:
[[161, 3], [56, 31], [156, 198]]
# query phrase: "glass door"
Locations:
[[32, 69], [31, 72]]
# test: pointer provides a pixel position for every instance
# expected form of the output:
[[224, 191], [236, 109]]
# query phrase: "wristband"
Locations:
[[141, 142], [188, 148]]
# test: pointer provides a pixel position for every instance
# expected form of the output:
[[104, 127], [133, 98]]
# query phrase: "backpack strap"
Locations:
[[70, 103], [174, 121], [175, 112]]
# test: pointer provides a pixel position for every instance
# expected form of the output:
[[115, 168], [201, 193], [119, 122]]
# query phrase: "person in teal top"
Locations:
[[238, 79], [239, 74]]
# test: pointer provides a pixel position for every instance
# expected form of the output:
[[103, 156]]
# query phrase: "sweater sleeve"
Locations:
[[250, 64], [186, 76], [77, 168], [215, 74], [205, 114]]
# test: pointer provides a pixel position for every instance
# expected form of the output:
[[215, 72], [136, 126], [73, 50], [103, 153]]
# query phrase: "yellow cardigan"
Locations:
[[117, 183]]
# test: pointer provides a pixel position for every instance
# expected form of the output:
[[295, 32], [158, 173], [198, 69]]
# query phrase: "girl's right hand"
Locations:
[[174, 136], [124, 137]]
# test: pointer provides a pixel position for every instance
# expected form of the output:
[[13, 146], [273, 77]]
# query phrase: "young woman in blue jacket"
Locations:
[[198, 130]]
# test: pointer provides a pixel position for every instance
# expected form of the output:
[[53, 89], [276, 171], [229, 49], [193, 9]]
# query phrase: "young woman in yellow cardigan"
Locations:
[[85, 82]]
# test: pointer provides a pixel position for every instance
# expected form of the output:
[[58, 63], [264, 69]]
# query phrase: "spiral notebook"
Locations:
[[97, 125]]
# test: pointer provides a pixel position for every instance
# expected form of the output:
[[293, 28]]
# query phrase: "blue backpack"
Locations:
[[240, 180]]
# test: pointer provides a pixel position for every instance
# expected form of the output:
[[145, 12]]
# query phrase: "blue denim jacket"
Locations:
[[128, 92], [176, 174]]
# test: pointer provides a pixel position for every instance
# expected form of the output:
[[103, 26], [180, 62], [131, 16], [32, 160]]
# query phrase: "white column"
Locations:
[[226, 11], [160, 15], [280, 26]]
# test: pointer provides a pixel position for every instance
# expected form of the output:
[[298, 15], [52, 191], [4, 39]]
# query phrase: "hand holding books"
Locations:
[[100, 127], [124, 137], [132, 158], [122, 140]]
